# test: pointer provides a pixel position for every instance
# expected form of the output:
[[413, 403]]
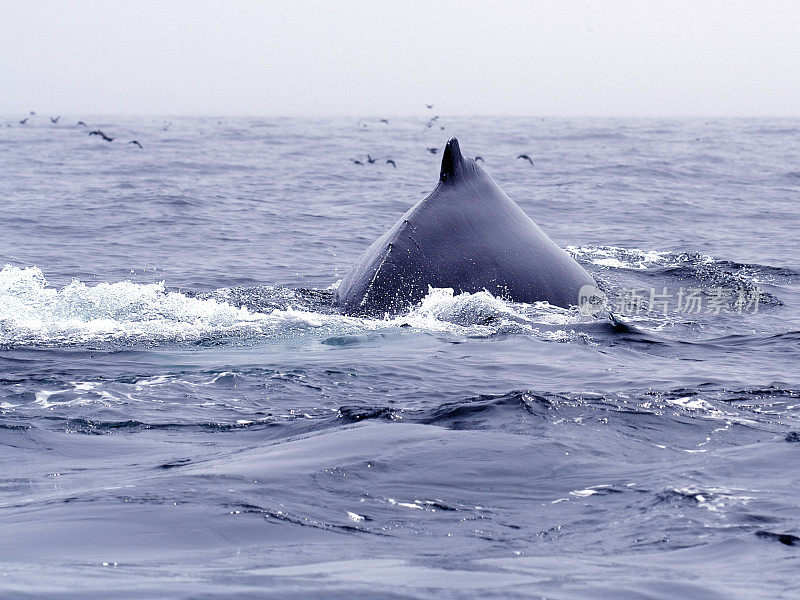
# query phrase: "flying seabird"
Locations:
[[526, 157], [52, 120], [429, 106], [389, 161], [23, 121], [371, 160], [102, 135], [137, 143], [480, 158], [433, 150], [81, 123], [385, 121], [356, 162]]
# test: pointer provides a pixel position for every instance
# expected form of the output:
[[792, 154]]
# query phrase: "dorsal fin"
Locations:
[[452, 161]]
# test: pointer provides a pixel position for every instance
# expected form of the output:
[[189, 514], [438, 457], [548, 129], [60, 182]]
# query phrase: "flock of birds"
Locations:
[[429, 124], [369, 160], [102, 135]]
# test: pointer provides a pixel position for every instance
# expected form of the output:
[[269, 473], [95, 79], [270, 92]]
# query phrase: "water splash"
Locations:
[[34, 313], [31, 312]]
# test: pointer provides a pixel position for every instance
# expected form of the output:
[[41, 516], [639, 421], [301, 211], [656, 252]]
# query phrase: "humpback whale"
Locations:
[[467, 235]]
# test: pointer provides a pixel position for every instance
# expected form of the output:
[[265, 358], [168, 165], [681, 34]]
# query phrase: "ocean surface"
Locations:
[[184, 413]]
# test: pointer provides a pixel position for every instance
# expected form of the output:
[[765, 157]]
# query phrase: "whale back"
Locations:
[[467, 235]]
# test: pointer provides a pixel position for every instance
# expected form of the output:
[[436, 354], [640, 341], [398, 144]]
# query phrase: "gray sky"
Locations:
[[381, 58]]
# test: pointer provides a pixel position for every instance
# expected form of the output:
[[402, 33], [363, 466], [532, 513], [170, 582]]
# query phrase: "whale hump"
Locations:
[[467, 235]]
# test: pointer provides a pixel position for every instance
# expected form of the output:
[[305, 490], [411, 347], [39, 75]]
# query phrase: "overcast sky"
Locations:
[[388, 58]]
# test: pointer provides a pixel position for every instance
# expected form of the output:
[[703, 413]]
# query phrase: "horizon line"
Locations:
[[314, 115]]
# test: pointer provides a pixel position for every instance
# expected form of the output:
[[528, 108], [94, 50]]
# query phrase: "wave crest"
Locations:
[[33, 313]]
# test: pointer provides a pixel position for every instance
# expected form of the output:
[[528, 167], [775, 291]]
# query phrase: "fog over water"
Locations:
[[378, 58]]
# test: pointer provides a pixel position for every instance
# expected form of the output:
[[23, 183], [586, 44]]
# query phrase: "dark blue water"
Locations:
[[184, 414]]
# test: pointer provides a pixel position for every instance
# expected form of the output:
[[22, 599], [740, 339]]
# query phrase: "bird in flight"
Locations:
[[433, 150], [55, 120], [480, 158], [23, 121], [429, 106], [137, 143], [81, 123], [102, 135], [389, 161], [526, 157], [371, 160], [356, 162]]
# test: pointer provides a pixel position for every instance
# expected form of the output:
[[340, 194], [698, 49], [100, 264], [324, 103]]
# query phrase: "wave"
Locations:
[[670, 269], [680, 413], [34, 313], [614, 257], [217, 400]]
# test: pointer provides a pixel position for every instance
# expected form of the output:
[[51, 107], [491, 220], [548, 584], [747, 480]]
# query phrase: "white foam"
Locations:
[[32, 312], [583, 493], [628, 258], [481, 314]]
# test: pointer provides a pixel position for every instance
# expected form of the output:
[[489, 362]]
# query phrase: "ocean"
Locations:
[[185, 414]]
